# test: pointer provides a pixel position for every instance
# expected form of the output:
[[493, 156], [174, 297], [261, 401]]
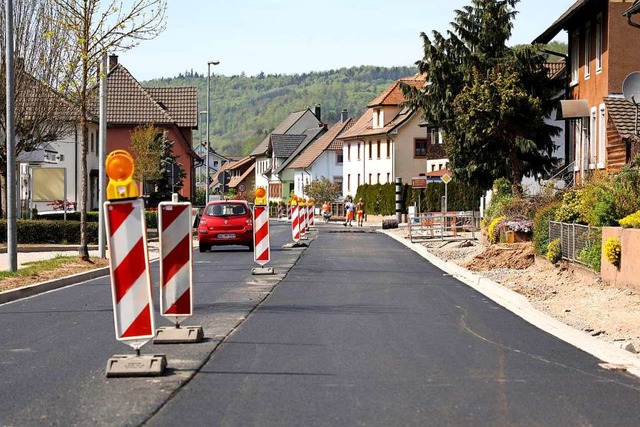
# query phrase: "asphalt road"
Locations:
[[360, 331]]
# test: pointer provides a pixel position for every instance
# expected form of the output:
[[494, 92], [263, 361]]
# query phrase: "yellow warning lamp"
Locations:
[[119, 169], [261, 197], [294, 200], [310, 202], [302, 202]]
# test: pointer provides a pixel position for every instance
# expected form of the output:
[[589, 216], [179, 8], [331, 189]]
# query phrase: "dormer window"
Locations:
[[378, 118]]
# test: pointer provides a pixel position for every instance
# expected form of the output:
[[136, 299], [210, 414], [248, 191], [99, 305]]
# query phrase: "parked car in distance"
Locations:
[[225, 222]]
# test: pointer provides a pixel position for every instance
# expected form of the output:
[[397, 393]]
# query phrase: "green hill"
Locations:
[[246, 109]]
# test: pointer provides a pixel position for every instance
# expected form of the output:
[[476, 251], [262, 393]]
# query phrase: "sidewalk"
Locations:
[[31, 253]]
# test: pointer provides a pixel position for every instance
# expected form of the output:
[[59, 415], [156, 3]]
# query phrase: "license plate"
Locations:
[[227, 236]]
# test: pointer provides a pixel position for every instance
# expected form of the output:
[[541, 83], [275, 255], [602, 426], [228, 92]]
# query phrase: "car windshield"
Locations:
[[226, 209]]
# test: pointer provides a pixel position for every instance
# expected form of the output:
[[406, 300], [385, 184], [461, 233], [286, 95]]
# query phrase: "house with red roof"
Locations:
[[602, 53], [173, 110], [387, 141]]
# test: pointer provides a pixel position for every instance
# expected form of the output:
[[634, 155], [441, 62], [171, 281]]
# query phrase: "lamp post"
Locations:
[[206, 192], [202, 115]]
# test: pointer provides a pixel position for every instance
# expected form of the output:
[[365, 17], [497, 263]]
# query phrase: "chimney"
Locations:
[[344, 115], [317, 112], [113, 61]]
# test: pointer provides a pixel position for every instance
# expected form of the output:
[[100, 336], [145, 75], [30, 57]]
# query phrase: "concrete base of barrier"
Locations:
[[181, 335], [127, 365], [259, 271], [296, 245]]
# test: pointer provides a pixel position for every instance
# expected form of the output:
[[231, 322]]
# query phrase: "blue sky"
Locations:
[[299, 36]]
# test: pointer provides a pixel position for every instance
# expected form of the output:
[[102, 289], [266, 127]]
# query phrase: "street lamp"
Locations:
[[209, 64], [201, 141]]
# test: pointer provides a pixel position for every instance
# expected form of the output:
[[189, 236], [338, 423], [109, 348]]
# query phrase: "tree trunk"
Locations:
[[516, 180]]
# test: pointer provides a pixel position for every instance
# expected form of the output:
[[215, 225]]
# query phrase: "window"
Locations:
[[388, 149], [340, 157], [599, 43], [602, 135], [592, 138], [370, 150], [433, 135], [358, 180], [587, 51], [376, 114], [349, 152], [388, 177], [574, 48], [433, 167], [378, 178], [91, 135], [348, 182], [420, 149], [378, 148], [358, 151], [369, 179]]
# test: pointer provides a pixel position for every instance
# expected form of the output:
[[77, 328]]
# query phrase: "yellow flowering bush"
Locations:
[[613, 250], [493, 231], [631, 221], [554, 251]]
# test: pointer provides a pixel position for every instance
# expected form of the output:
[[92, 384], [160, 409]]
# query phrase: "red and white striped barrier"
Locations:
[[129, 267], [295, 224], [303, 219], [312, 220], [261, 249], [176, 262]]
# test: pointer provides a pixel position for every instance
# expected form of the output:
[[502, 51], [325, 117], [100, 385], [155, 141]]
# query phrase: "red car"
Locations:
[[226, 222]]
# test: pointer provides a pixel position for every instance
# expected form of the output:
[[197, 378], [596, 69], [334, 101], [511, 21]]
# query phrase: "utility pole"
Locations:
[[12, 234]]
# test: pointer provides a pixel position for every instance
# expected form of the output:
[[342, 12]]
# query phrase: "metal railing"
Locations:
[[449, 225], [573, 238]]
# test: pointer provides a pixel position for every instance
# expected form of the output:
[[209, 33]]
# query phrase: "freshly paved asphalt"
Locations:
[[354, 330]]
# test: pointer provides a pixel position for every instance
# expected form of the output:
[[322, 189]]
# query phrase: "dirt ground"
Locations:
[[571, 294]]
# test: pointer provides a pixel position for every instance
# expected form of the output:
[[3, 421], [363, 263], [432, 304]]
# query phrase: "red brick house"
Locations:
[[171, 109], [602, 52]]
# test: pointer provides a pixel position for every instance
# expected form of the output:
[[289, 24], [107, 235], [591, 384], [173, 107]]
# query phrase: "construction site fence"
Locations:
[[444, 225]]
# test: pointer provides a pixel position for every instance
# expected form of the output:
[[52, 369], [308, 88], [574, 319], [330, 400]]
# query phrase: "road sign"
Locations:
[[241, 187], [419, 182], [224, 178], [446, 178]]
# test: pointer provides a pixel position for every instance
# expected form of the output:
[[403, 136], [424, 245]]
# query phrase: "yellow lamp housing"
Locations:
[[119, 166], [261, 197]]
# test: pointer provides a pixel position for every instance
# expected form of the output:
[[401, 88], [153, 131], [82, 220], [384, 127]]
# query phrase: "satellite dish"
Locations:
[[631, 87]]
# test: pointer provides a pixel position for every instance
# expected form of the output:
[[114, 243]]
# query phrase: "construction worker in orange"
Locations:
[[326, 211], [360, 211], [119, 168]]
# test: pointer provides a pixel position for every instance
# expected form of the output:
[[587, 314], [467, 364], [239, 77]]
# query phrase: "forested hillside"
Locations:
[[246, 109]]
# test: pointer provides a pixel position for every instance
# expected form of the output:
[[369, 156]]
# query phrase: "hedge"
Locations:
[[31, 231]]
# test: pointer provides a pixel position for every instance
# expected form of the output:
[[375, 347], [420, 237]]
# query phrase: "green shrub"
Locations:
[[631, 221], [613, 250], [592, 253], [541, 227], [554, 251], [51, 231], [151, 218], [92, 216]]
